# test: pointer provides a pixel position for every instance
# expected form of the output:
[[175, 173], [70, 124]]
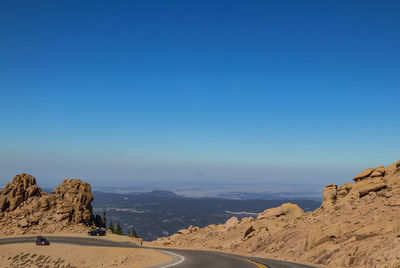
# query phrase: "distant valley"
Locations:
[[162, 213]]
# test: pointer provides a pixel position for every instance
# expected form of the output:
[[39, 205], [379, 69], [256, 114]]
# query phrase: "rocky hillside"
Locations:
[[25, 208], [358, 225]]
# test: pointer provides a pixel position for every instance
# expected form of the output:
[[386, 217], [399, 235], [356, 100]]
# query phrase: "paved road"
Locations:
[[181, 258]]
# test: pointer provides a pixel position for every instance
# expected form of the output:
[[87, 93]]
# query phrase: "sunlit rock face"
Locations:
[[25, 208]]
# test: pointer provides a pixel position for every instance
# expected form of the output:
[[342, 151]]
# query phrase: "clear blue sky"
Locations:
[[251, 91]]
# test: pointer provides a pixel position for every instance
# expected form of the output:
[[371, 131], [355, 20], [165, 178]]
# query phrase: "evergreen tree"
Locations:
[[104, 219], [134, 234], [111, 227], [118, 229]]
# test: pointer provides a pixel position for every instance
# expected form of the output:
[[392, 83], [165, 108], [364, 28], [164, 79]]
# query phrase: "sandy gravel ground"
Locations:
[[63, 255]]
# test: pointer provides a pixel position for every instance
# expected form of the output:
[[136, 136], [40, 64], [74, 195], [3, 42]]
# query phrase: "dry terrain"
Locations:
[[358, 225], [62, 255]]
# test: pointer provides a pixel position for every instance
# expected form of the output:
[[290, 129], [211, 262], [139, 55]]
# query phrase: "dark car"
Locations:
[[41, 241], [97, 232]]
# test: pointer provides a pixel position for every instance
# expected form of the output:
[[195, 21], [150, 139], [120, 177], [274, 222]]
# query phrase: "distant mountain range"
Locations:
[[161, 213]]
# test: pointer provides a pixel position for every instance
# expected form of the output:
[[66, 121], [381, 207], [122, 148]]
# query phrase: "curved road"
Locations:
[[181, 258]]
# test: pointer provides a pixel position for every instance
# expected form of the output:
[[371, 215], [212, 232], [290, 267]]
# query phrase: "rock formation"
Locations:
[[357, 225], [25, 208]]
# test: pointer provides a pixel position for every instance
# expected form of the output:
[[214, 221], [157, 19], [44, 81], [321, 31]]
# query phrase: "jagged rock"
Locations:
[[287, 209], [23, 223], [20, 189], [60, 217], [184, 231], [247, 219], [366, 173], [378, 172], [317, 236], [344, 189], [373, 185], [31, 191], [33, 219], [64, 209], [77, 197], [23, 204], [193, 229], [4, 203], [329, 195], [248, 231], [232, 222]]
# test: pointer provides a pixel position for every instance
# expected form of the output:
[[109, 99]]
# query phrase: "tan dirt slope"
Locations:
[[358, 225], [70, 256]]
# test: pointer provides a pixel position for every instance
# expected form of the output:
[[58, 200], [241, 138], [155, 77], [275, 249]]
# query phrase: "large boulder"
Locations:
[[371, 185], [364, 174], [23, 223], [329, 195], [76, 197], [378, 172], [287, 209], [343, 190], [232, 222]]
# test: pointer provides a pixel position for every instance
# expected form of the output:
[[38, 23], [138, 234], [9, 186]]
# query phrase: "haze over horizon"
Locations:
[[161, 92]]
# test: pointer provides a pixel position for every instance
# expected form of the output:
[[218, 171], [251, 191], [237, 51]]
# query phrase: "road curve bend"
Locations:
[[180, 258]]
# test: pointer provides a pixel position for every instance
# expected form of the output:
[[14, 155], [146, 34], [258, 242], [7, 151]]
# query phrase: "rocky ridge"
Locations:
[[26, 209], [357, 225]]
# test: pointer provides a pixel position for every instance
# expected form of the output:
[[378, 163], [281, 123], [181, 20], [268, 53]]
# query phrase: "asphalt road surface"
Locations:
[[180, 258]]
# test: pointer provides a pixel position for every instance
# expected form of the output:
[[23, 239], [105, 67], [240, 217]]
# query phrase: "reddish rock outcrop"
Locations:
[[20, 189], [287, 209], [357, 225], [25, 208]]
